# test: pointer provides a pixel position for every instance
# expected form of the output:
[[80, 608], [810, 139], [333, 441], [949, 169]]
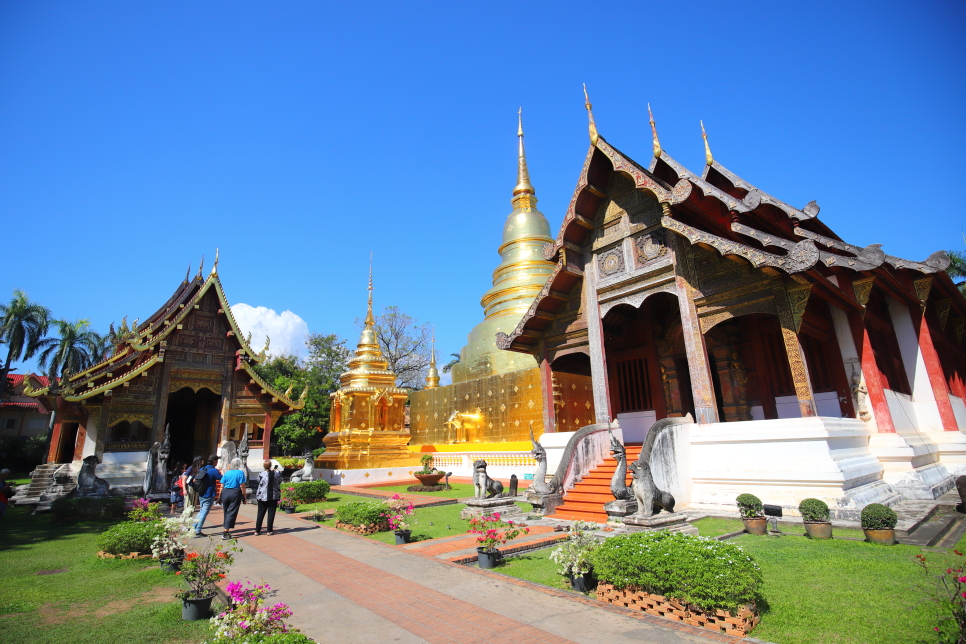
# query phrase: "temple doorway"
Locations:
[[192, 417], [647, 368], [68, 443]]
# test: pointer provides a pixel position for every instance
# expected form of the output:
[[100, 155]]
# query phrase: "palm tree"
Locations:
[[23, 324], [957, 268], [103, 348], [75, 350], [449, 365]]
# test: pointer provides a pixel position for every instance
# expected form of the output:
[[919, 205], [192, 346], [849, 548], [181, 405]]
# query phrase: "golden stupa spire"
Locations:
[[707, 149], [370, 320], [432, 376], [592, 127], [657, 141], [524, 195]]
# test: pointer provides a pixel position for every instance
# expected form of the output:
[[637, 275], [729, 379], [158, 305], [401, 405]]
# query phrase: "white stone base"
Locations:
[[911, 464], [786, 460], [366, 476]]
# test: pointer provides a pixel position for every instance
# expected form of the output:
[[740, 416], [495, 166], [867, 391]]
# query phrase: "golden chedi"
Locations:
[[496, 395], [368, 411]]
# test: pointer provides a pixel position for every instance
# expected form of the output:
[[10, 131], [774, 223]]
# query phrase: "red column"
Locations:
[[934, 370], [55, 439], [870, 370], [267, 436]]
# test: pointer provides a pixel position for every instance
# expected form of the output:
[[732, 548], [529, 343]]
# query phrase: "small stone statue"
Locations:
[[88, 483], [243, 450], [227, 453], [514, 483], [860, 393], [618, 486], [156, 470], [650, 500], [539, 485], [483, 485], [304, 475]]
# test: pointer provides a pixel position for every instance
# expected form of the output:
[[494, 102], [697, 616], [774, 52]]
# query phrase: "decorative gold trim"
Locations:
[[195, 385], [942, 311], [797, 301], [863, 289], [922, 291]]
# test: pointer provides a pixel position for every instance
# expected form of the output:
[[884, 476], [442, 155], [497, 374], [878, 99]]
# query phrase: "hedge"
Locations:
[[22, 454], [710, 574], [360, 513], [130, 536], [309, 492]]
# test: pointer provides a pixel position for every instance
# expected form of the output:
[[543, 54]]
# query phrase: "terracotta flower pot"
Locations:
[[430, 479], [755, 525], [885, 537], [819, 529]]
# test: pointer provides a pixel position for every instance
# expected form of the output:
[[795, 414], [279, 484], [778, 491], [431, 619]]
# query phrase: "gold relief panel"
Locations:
[[195, 385], [573, 401]]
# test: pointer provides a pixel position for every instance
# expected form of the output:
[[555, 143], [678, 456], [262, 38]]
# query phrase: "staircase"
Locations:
[[41, 478], [585, 502]]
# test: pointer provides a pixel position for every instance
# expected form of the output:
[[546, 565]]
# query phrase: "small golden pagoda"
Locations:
[[367, 417]]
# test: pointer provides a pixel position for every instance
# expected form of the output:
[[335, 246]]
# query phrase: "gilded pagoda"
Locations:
[[368, 411], [188, 367]]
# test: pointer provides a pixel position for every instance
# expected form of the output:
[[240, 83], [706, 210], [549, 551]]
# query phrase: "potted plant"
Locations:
[[879, 524], [201, 570], [493, 531], [169, 546], [815, 514], [428, 475], [752, 513], [289, 497], [397, 509], [573, 557]]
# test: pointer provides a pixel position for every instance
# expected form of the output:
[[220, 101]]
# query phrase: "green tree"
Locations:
[[957, 269], [74, 350], [23, 325], [405, 344], [328, 358]]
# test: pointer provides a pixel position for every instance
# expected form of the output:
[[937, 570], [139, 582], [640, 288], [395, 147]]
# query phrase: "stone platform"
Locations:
[[673, 522], [506, 506]]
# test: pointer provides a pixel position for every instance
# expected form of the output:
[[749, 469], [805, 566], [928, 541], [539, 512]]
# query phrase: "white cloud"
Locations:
[[287, 330], [445, 378]]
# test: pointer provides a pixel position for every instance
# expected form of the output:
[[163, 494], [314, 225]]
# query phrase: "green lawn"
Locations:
[[459, 491], [331, 503], [438, 521], [93, 601], [19, 478], [839, 591]]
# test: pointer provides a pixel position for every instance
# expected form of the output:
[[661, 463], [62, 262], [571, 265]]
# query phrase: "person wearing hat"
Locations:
[[206, 497]]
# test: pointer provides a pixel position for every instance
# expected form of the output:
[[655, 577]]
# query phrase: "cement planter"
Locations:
[[885, 537], [430, 479], [819, 529], [402, 536], [195, 609], [583, 583], [289, 510], [487, 560], [755, 525], [172, 564]]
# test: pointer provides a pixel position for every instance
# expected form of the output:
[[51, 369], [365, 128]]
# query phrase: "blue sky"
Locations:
[[300, 136]]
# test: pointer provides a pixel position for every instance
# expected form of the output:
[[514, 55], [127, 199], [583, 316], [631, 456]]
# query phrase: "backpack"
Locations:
[[199, 483]]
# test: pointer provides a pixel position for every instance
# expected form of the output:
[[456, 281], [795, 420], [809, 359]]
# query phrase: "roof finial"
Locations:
[[707, 150], [370, 321], [201, 265], [657, 142], [214, 269], [523, 194], [187, 273], [432, 375], [592, 127]]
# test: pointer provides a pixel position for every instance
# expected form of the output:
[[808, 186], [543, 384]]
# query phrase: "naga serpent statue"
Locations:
[[539, 485], [618, 486]]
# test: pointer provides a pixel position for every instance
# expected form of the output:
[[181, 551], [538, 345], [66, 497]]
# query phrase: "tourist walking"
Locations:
[[210, 476], [191, 496], [234, 492], [268, 494]]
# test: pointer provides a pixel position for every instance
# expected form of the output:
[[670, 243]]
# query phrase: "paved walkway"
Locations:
[[345, 588]]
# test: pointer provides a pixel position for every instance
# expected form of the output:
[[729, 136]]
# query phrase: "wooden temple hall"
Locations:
[[683, 293], [188, 368]]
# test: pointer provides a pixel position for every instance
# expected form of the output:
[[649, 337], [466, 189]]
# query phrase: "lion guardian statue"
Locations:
[[650, 500], [483, 486], [88, 483]]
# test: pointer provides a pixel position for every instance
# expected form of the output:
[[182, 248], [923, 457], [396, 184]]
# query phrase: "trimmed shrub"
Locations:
[[710, 574], [359, 513], [290, 462], [131, 536], [750, 506], [68, 510], [876, 516], [813, 510], [310, 492], [318, 451]]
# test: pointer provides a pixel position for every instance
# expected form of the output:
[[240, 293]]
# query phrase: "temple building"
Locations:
[[367, 437], [498, 397], [186, 367], [811, 366]]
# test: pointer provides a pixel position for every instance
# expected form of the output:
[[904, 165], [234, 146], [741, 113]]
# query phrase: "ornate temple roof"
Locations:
[[717, 209], [143, 346]]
